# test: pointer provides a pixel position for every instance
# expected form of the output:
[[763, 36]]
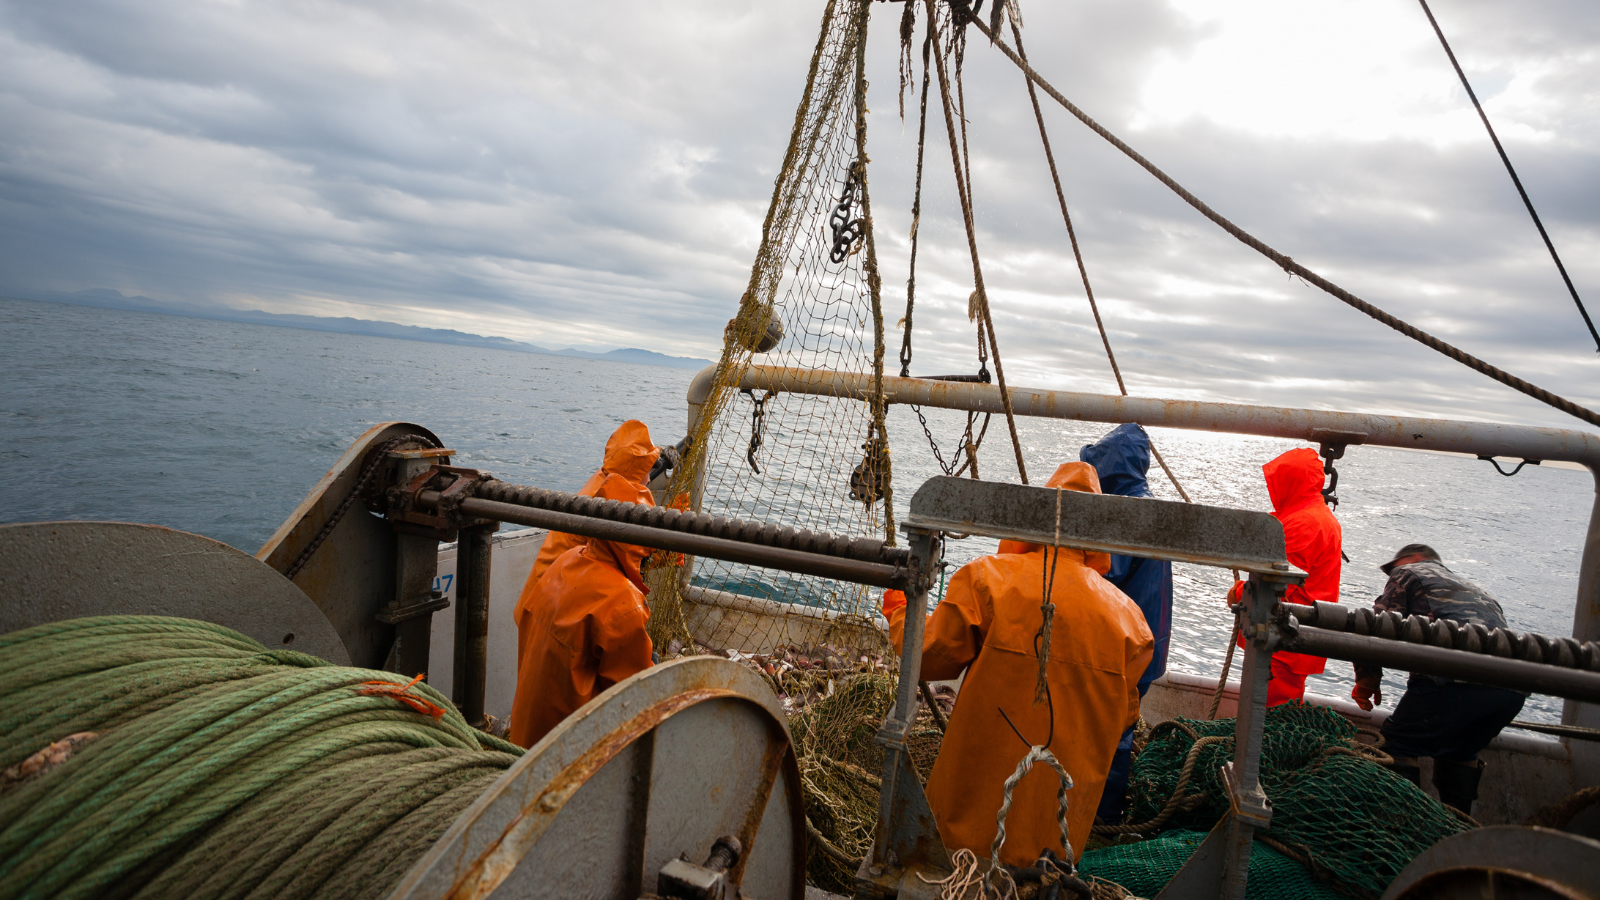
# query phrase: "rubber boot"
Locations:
[[1457, 782]]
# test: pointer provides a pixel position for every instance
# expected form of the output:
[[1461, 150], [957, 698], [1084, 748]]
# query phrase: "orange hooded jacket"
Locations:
[[629, 453], [1311, 535], [985, 625], [580, 628]]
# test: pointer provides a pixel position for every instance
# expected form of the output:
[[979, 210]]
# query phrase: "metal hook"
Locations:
[[1496, 464]]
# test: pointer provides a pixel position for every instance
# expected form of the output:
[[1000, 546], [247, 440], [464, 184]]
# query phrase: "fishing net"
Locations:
[[836, 701], [1145, 868], [1341, 815], [813, 462]]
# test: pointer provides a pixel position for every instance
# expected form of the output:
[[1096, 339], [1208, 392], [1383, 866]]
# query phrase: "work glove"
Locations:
[[670, 457], [1368, 691], [893, 600], [1235, 594]]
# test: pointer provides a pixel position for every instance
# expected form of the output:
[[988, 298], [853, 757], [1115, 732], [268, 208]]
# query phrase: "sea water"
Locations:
[[220, 428]]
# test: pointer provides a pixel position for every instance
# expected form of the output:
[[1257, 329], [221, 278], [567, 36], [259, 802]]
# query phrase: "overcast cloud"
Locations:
[[596, 175]]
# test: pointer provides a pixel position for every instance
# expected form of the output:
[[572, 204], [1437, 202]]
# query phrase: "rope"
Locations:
[[1047, 614], [1227, 665], [1077, 252], [1179, 801], [963, 191], [1288, 264], [221, 768], [1549, 245], [1035, 754], [878, 462]]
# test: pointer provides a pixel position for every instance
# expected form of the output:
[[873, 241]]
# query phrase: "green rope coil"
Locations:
[[220, 768]]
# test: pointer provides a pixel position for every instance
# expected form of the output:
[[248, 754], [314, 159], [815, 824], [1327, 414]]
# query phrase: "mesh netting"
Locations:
[[1146, 867], [841, 765], [812, 304], [1349, 820]]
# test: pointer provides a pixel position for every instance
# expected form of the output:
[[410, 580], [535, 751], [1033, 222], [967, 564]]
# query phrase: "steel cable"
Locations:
[[1288, 264]]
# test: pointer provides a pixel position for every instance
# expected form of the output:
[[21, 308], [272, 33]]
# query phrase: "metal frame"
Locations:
[[1316, 426]]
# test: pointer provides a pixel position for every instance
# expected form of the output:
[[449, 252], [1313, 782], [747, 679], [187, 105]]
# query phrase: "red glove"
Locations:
[[1367, 692], [893, 600]]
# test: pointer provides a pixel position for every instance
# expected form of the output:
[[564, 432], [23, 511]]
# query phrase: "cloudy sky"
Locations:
[[595, 174]]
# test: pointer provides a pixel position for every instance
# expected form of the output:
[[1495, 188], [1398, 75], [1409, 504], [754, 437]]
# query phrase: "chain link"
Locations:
[[374, 463]]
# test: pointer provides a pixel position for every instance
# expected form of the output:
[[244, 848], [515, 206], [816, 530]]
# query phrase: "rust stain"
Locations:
[[500, 858]]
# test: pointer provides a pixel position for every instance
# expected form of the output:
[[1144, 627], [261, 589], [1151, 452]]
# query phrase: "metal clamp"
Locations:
[[454, 484], [394, 613]]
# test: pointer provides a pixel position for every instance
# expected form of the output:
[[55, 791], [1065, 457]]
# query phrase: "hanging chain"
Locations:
[[848, 228], [757, 415]]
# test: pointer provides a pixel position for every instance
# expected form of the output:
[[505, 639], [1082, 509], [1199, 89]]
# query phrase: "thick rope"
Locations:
[[1077, 252], [1035, 754], [877, 462], [1288, 264], [217, 767], [1179, 801], [963, 192], [1222, 680], [1549, 245]]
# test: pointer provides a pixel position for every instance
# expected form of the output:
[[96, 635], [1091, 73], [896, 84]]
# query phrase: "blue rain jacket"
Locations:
[[1122, 459]]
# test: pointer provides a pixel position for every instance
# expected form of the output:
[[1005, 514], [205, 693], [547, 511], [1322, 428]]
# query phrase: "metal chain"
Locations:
[[378, 455], [756, 416], [848, 229]]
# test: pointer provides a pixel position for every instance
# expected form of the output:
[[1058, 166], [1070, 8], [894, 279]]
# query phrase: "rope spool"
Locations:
[[216, 767]]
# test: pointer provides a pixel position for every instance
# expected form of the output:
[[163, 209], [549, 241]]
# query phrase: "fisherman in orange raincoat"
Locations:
[[1314, 541], [581, 628], [985, 626], [629, 453]]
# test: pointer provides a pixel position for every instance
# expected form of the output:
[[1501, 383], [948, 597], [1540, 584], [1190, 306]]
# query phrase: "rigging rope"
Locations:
[[963, 191], [969, 447], [1077, 254], [1549, 245], [1285, 262]]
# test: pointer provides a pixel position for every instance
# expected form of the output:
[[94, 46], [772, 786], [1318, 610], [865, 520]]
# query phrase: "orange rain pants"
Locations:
[[580, 628], [985, 626]]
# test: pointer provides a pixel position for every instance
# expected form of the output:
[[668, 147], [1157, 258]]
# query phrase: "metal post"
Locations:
[[472, 621], [411, 610], [1250, 809], [1586, 627], [906, 836]]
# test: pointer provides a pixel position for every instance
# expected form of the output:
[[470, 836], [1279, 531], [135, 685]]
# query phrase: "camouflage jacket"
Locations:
[[1429, 588]]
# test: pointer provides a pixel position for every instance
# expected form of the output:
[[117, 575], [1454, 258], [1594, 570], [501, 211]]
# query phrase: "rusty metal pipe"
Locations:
[[876, 574], [467, 686], [1515, 441], [1555, 681]]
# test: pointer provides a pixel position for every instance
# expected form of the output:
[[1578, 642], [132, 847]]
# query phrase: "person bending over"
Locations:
[[1122, 460], [1438, 717], [581, 628], [985, 627]]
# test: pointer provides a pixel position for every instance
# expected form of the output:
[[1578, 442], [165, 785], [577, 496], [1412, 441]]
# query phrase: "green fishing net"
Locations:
[[1146, 867], [1339, 815]]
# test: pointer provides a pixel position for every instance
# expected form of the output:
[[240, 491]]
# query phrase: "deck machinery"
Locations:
[[681, 781]]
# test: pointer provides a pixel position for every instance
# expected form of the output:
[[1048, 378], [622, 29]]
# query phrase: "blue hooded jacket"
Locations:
[[1122, 458]]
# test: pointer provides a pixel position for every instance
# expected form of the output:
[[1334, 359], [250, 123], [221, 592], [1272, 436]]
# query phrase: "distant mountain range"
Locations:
[[110, 299]]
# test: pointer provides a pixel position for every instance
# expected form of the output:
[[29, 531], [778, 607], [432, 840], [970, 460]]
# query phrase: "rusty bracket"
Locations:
[[454, 484], [394, 613]]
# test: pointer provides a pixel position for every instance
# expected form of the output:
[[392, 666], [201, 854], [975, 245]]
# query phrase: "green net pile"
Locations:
[[1338, 815], [1145, 868]]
